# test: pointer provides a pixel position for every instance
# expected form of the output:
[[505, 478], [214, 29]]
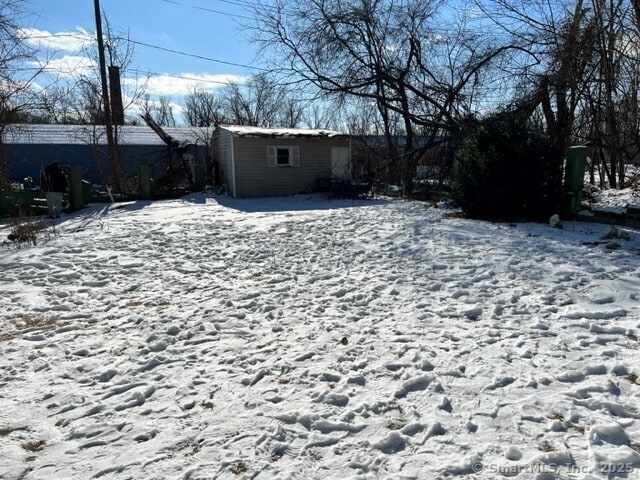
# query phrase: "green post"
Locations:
[[199, 181], [574, 177], [144, 178], [76, 195]]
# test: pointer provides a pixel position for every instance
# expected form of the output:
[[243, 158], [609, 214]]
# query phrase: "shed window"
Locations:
[[283, 156]]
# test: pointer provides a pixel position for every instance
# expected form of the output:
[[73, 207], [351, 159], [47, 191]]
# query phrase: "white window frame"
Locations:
[[294, 156]]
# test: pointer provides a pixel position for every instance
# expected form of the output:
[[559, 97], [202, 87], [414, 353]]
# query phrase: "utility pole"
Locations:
[[112, 152]]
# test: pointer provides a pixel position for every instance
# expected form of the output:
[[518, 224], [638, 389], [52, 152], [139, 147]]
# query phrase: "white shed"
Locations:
[[256, 162]]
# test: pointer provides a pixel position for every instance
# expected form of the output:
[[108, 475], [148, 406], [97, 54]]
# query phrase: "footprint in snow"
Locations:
[[414, 384]]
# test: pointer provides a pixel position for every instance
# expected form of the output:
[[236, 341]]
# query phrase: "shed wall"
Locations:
[[254, 178], [224, 157]]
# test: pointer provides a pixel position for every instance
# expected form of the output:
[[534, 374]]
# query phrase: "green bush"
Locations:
[[504, 169]]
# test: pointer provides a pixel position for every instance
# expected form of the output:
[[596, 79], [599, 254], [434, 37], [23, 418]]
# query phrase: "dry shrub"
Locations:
[[34, 446], [239, 468], [4, 431], [26, 229], [27, 320]]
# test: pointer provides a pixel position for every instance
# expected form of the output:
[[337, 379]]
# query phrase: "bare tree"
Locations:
[[615, 94], [391, 52], [290, 113], [160, 110], [78, 98], [262, 101], [202, 109], [55, 105], [89, 107], [165, 112], [16, 96], [552, 49], [321, 112]]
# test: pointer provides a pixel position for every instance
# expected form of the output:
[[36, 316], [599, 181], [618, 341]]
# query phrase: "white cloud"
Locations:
[[71, 41], [184, 83], [68, 66], [61, 56]]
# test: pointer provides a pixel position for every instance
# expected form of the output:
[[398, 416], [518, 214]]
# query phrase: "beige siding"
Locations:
[[224, 157], [254, 178]]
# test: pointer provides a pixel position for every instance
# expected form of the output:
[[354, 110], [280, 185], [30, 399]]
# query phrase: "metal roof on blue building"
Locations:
[[33, 134]]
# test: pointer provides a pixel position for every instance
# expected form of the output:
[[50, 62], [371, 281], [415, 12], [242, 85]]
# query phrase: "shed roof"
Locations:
[[246, 131], [30, 134]]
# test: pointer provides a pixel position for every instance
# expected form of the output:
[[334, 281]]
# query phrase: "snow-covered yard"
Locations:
[[300, 338]]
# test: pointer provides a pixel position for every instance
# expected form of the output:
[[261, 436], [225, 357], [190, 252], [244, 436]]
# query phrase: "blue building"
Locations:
[[28, 148]]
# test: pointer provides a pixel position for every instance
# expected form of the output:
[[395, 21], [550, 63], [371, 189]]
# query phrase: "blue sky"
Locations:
[[201, 28]]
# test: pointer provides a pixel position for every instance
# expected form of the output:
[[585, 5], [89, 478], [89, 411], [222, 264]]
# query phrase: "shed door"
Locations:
[[340, 163]]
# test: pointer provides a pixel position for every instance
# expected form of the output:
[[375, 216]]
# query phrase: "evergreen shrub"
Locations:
[[505, 169]]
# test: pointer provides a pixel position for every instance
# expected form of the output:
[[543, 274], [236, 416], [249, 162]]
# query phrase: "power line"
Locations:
[[240, 3], [88, 38], [210, 10], [157, 47], [181, 77], [193, 55]]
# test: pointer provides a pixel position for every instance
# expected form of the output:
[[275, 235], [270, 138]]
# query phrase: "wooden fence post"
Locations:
[[199, 181], [144, 179], [76, 195]]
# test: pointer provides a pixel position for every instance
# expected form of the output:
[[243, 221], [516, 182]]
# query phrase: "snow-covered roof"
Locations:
[[245, 131], [83, 134]]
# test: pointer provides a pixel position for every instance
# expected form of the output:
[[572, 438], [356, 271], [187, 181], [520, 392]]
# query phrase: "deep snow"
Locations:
[[301, 338]]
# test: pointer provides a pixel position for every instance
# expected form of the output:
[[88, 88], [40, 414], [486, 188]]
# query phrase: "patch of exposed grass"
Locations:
[[29, 320], [4, 431], [34, 446], [239, 468], [26, 230], [455, 214], [395, 425], [546, 447], [190, 447], [633, 378], [208, 404]]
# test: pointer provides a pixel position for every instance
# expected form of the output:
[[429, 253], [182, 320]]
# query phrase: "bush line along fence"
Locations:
[[80, 193], [33, 201]]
